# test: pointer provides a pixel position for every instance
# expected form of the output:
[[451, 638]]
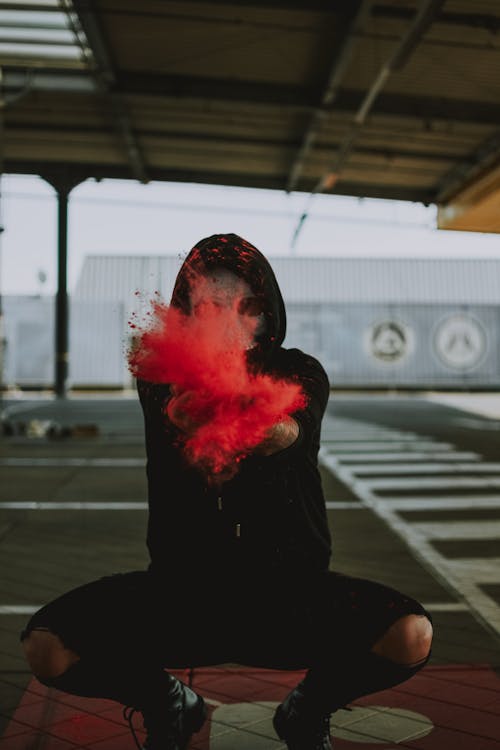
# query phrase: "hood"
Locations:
[[237, 255]]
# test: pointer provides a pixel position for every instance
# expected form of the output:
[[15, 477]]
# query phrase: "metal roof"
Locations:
[[395, 98], [309, 280], [41, 34]]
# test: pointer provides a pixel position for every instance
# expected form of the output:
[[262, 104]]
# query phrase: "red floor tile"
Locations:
[[450, 739], [33, 740], [456, 694], [470, 721], [14, 728], [120, 742], [115, 713], [37, 688], [91, 705], [85, 728], [493, 707], [245, 684], [44, 713], [463, 702], [479, 675]]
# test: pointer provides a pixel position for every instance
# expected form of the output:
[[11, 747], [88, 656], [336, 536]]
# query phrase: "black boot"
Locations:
[[171, 711], [301, 725], [170, 723], [303, 719]]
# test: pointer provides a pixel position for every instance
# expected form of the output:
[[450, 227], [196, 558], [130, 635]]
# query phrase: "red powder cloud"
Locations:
[[205, 355]]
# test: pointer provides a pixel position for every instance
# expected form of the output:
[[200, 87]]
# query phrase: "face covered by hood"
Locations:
[[231, 253], [217, 347]]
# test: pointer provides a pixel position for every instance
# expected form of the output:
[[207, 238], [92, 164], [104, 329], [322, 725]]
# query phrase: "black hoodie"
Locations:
[[271, 516]]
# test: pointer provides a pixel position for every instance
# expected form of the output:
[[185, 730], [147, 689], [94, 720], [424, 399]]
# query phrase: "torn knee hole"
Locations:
[[46, 654]]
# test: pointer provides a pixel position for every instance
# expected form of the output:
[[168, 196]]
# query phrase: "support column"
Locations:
[[63, 181], [62, 316]]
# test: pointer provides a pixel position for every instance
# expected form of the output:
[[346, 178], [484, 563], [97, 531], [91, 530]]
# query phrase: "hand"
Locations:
[[189, 409], [178, 409], [280, 436]]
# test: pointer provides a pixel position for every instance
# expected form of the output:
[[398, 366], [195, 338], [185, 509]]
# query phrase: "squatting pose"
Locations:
[[240, 568]]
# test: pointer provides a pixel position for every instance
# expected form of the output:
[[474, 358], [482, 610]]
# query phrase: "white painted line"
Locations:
[[463, 577], [482, 404], [28, 505], [446, 607], [347, 505], [483, 570], [477, 424], [427, 468], [61, 462], [357, 458], [443, 503], [459, 530], [355, 427], [371, 435], [19, 408], [370, 446], [434, 483], [460, 580], [19, 609], [363, 435]]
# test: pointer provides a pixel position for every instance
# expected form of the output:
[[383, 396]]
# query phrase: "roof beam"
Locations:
[[244, 179], [67, 82], [425, 108], [400, 56], [359, 12], [488, 21], [384, 152], [106, 79], [304, 97]]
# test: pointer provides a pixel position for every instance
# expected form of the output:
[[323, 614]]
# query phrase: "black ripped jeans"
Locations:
[[128, 628]]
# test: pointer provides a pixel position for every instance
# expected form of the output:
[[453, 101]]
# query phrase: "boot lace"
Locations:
[[128, 715], [169, 740], [321, 731]]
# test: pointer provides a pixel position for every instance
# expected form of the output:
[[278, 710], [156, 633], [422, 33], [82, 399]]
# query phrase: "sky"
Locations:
[[120, 217]]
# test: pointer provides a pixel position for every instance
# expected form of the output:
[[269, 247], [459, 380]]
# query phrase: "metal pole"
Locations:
[[61, 333], [2, 136], [423, 18]]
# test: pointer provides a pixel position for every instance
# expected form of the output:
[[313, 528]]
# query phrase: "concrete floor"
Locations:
[[408, 505]]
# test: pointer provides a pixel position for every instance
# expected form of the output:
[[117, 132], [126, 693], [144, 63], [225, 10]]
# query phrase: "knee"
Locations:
[[408, 640], [47, 655]]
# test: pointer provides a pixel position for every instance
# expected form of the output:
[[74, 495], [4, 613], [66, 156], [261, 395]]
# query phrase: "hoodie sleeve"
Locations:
[[315, 384]]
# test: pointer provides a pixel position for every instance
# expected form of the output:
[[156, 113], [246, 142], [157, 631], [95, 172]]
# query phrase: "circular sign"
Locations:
[[388, 341], [460, 341]]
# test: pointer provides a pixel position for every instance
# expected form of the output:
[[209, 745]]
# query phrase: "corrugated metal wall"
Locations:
[[425, 346], [332, 280], [371, 322], [29, 341], [96, 343]]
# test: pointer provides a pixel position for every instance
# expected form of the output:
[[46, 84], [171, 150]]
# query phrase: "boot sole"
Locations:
[[278, 724], [197, 718], [199, 715]]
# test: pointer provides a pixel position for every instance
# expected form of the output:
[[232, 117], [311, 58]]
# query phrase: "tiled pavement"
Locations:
[[46, 549]]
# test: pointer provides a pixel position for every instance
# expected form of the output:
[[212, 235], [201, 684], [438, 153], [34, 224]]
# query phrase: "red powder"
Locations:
[[205, 355]]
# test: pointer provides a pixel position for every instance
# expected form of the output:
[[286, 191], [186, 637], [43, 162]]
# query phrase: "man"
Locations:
[[240, 551]]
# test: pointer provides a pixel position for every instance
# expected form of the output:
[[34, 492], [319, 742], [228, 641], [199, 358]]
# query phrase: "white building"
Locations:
[[372, 322]]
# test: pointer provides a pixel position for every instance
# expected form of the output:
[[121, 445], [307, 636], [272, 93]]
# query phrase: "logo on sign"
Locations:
[[388, 341], [460, 341]]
